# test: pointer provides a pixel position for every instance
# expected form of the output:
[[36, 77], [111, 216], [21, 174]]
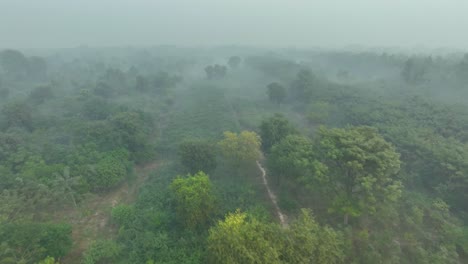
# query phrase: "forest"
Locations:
[[174, 155]]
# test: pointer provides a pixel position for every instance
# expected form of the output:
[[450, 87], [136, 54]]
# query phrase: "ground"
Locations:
[[91, 219]]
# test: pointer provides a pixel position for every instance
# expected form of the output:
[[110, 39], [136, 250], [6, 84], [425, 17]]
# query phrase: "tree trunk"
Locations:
[[345, 220]]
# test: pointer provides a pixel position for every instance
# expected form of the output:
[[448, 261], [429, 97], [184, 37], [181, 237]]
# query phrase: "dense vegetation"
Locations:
[[367, 154]]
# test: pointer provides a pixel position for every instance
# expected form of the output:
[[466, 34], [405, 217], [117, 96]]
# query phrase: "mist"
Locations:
[[298, 23], [235, 131]]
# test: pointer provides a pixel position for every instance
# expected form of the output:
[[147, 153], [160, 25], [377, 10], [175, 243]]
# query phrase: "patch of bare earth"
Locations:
[[91, 219]]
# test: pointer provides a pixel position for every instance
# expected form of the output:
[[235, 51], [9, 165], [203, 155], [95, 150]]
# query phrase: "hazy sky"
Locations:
[[69, 23]]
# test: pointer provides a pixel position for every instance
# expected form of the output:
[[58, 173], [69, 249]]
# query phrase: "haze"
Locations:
[[58, 23]]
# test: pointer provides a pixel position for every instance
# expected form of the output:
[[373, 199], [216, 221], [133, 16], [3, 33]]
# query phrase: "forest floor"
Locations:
[[91, 220], [282, 217]]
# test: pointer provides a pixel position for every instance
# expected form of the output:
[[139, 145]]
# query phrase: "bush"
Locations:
[[123, 214]]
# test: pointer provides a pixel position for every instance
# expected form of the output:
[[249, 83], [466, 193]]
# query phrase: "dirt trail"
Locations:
[[282, 217], [91, 220]]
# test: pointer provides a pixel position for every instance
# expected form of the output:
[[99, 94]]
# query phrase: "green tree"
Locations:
[[14, 63], [241, 149], [109, 171], [307, 242], [273, 130], [415, 70], [276, 92], [362, 169], [304, 86], [215, 72], [292, 163], [123, 214], [49, 260], [102, 251], [194, 199], [30, 242], [197, 156], [68, 183], [239, 239], [41, 93], [18, 114]]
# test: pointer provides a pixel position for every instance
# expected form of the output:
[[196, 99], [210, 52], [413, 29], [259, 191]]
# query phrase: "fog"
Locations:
[[295, 23]]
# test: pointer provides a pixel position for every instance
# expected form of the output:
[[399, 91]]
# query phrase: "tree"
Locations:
[[304, 85], [215, 72], [14, 63], [123, 214], [273, 130], [40, 94], [49, 260], [30, 242], [415, 70], [18, 114], [276, 92], [307, 242], [67, 183], [141, 84], [101, 251], [241, 149], [362, 169], [239, 239], [197, 156], [109, 171], [292, 164], [194, 199], [234, 62]]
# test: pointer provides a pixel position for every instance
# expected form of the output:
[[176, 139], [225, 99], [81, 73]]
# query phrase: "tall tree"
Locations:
[[362, 170], [14, 63], [241, 149], [276, 92], [304, 85], [194, 199], [308, 242], [198, 156], [239, 239], [293, 164], [273, 130]]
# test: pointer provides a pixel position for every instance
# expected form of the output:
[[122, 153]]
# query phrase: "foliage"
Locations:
[[101, 251], [40, 94], [276, 92], [197, 156], [238, 239], [304, 86], [273, 130], [30, 242], [215, 72], [18, 114], [293, 163], [240, 149], [361, 170], [109, 171], [123, 214], [415, 70], [307, 242], [194, 199], [14, 63]]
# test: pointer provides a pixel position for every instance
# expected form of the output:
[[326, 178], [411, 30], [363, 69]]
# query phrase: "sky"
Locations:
[[273, 23]]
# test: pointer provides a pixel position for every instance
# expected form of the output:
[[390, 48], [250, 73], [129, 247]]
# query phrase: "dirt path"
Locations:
[[91, 220], [282, 217]]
